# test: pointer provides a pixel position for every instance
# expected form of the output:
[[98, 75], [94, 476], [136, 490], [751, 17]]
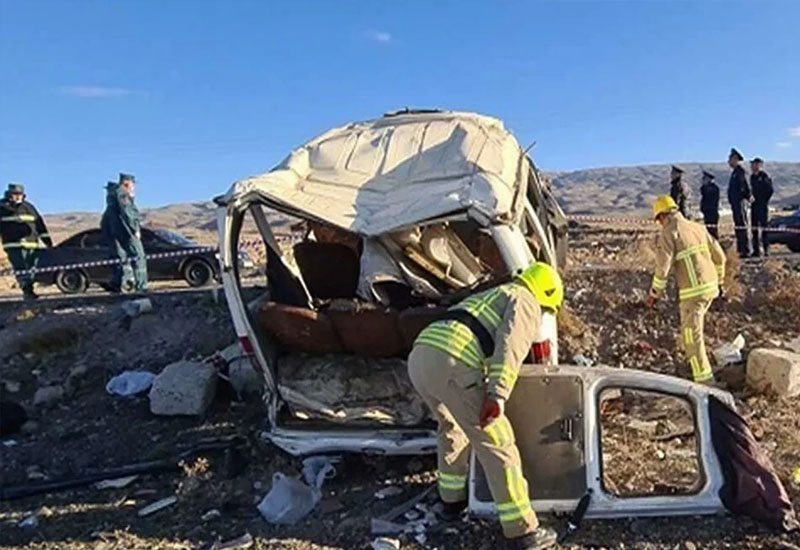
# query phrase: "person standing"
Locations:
[[121, 224], [761, 187], [739, 197], [465, 366], [699, 271], [23, 231], [678, 190], [709, 204]]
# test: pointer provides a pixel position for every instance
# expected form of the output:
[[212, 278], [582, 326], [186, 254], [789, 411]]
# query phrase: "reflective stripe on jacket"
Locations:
[[511, 315], [698, 258], [21, 226]]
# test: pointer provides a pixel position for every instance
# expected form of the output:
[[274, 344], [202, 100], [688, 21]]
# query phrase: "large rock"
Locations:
[[774, 369], [183, 388]]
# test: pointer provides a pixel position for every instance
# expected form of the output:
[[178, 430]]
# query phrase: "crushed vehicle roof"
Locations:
[[385, 174]]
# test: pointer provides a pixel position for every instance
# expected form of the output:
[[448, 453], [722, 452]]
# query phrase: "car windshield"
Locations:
[[174, 238]]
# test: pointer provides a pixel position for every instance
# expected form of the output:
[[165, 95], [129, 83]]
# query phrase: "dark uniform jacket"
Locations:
[[761, 186], [21, 225], [121, 220], [709, 201], [738, 188], [680, 194]]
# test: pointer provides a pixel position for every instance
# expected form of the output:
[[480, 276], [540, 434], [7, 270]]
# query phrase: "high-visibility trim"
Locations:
[[519, 504], [698, 290], [659, 283], [483, 308], [23, 218], [688, 336], [691, 250], [21, 244], [454, 339], [504, 373], [690, 270], [720, 271], [452, 482], [500, 432], [699, 373]]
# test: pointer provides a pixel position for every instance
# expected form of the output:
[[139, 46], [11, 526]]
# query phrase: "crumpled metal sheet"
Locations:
[[381, 175], [348, 389]]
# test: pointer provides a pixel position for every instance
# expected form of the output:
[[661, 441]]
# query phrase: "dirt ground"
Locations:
[[81, 343]]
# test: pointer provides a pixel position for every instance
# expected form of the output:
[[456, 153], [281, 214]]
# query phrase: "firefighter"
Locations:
[[709, 203], [122, 226], [678, 190], [761, 187], [740, 199], [465, 367], [23, 231], [699, 270]]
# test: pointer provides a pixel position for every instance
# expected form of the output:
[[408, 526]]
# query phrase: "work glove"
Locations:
[[491, 410], [651, 301]]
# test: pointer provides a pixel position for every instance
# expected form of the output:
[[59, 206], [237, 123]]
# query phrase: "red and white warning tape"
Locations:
[[648, 224], [110, 261]]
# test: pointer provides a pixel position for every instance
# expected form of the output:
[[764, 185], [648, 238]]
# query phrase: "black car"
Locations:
[[789, 238], [183, 259]]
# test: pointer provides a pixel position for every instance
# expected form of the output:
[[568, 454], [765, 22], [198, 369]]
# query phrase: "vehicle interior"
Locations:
[[340, 312]]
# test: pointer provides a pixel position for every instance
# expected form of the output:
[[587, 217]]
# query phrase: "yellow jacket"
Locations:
[[698, 258], [511, 314]]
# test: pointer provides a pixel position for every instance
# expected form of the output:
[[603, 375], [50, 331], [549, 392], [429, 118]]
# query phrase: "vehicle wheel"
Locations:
[[198, 273], [73, 281]]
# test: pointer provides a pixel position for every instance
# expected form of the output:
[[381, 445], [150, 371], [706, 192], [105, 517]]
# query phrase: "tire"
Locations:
[[198, 273], [73, 281]]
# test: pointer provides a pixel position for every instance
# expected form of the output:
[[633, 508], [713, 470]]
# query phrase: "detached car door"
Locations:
[[638, 443]]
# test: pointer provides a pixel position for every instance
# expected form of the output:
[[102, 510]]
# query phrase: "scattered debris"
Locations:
[[10, 443], [30, 521], [388, 492], [211, 514], [117, 483], [775, 370], [34, 472], [130, 383], [240, 543], [289, 500], [183, 388], [12, 386], [48, 396], [135, 308], [730, 353], [157, 505], [385, 543], [582, 361]]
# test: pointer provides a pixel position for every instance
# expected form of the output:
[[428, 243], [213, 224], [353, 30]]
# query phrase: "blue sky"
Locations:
[[192, 95]]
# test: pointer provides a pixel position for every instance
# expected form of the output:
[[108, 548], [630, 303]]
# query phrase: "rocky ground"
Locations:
[[79, 344]]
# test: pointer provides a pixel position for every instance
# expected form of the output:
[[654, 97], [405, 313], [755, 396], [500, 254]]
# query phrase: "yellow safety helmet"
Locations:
[[663, 204], [545, 284]]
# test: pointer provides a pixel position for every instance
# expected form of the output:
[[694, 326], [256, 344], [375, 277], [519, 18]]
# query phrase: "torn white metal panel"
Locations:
[[377, 176]]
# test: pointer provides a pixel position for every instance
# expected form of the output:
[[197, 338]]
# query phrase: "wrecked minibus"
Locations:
[[371, 231]]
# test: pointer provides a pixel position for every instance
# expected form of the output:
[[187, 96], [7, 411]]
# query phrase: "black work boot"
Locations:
[[28, 293], [540, 539], [448, 512]]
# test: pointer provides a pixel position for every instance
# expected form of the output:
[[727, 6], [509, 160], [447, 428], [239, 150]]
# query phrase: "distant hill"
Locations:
[[615, 190], [631, 189]]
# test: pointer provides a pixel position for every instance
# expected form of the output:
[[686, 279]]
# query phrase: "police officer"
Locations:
[[121, 225], [761, 186], [678, 190], [22, 228], [709, 204], [740, 199]]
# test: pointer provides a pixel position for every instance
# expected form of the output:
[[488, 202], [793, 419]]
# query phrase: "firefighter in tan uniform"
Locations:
[[465, 367], [699, 270]]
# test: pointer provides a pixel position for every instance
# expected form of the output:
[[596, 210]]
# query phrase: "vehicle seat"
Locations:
[[330, 270]]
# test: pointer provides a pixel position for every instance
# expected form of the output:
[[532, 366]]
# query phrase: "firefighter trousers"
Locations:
[[454, 392], [693, 312]]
